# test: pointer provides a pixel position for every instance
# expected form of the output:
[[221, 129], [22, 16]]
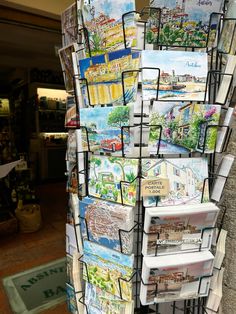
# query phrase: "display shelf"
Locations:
[[119, 190]]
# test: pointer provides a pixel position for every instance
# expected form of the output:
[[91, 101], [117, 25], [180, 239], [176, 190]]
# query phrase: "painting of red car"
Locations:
[[111, 144]]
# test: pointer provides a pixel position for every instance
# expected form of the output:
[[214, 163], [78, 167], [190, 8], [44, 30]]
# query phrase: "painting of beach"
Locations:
[[176, 75]]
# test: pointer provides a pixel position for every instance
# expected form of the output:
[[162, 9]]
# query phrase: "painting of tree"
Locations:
[[119, 117]]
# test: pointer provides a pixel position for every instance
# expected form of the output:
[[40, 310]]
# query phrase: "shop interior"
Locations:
[[32, 108]]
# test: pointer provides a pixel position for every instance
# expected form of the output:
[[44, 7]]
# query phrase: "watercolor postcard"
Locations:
[[105, 267], [102, 221], [227, 41], [65, 55], [71, 146], [103, 20], [187, 23], [186, 179], [69, 25], [100, 302], [104, 77], [182, 75], [102, 128], [172, 278], [72, 179], [179, 230], [71, 116], [113, 179], [185, 127]]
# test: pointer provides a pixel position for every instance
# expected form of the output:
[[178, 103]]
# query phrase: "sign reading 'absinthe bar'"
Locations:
[[37, 288]]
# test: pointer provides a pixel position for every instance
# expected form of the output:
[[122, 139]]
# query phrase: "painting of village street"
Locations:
[[100, 302], [104, 129], [186, 179], [105, 266], [102, 221], [176, 282], [177, 228], [185, 127], [103, 20], [104, 77], [182, 75], [113, 179], [186, 23]]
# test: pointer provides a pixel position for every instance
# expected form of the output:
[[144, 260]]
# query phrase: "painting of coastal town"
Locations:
[[182, 75], [186, 179], [104, 77], [101, 222], [177, 232], [187, 23], [102, 129], [185, 127], [100, 302], [105, 267], [113, 179], [103, 20], [175, 282]]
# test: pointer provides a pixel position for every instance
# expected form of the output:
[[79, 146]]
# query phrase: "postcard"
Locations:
[[100, 302], [186, 127], [71, 146], [179, 229], [71, 298], [105, 223], [186, 23], [113, 179], [103, 20], [69, 25], [106, 267], [102, 128], [226, 82], [65, 55], [176, 277], [182, 75], [72, 177], [186, 180], [104, 77], [71, 116]]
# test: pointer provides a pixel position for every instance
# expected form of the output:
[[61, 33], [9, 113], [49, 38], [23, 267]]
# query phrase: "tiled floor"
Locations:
[[19, 252]]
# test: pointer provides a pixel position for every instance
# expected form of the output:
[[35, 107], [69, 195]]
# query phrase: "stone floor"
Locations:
[[19, 252]]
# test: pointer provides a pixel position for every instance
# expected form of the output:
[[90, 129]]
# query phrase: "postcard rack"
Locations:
[[214, 78]]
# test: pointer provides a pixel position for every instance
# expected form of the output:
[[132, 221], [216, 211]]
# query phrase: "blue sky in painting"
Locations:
[[113, 8]]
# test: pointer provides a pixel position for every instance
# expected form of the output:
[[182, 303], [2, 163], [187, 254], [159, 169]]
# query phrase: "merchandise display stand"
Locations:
[[82, 159]]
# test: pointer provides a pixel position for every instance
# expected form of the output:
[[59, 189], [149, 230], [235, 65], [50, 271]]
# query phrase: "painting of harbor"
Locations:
[[186, 127], [187, 23], [104, 77], [176, 75]]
